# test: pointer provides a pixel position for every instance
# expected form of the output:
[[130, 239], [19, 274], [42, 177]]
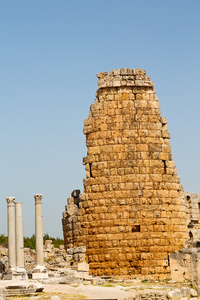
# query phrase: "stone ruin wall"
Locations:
[[193, 208], [132, 213]]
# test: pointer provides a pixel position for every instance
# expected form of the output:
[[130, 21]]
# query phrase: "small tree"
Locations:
[[29, 242], [3, 240]]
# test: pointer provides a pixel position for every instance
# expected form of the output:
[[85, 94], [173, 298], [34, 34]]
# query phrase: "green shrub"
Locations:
[[29, 242], [3, 240]]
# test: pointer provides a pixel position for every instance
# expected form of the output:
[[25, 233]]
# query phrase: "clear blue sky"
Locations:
[[50, 52]]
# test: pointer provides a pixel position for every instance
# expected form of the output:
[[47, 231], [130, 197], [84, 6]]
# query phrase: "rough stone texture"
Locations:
[[132, 213], [56, 259], [185, 291], [55, 298], [2, 269], [193, 207], [149, 296], [175, 295], [17, 287], [70, 219], [185, 265], [193, 293]]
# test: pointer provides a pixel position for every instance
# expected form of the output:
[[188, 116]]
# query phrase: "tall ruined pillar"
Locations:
[[19, 236], [40, 271], [11, 232], [20, 265], [39, 230], [132, 213], [20, 272]]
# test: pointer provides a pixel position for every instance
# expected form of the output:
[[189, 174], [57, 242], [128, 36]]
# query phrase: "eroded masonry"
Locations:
[[132, 213]]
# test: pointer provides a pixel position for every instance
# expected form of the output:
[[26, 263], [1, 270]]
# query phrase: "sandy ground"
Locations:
[[103, 292], [91, 292], [84, 291]]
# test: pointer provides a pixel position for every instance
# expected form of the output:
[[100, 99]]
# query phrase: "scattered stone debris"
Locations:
[[13, 288]]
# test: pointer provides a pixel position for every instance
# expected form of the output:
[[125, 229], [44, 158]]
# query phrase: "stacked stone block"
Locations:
[[132, 213], [70, 219], [193, 208]]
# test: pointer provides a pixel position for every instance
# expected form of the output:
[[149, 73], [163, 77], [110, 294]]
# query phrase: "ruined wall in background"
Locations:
[[193, 208], [132, 213]]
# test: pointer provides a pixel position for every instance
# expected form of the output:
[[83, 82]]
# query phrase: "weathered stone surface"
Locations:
[[132, 213], [83, 266], [148, 296], [198, 290], [17, 287], [185, 291], [2, 267], [55, 298], [81, 249], [175, 294], [193, 293], [192, 201], [185, 265]]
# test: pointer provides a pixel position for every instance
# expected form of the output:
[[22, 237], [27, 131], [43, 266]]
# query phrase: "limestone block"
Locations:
[[154, 104], [102, 74], [81, 249], [116, 72], [163, 120], [83, 266], [55, 298], [193, 293], [71, 209], [4, 251], [70, 251], [48, 242], [166, 134], [185, 291]]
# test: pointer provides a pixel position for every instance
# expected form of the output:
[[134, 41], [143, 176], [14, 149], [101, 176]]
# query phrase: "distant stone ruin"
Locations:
[[16, 262], [132, 213], [193, 208]]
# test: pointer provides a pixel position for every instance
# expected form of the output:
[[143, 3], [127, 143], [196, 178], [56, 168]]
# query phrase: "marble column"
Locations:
[[19, 235], [20, 272], [40, 271], [39, 230], [11, 232]]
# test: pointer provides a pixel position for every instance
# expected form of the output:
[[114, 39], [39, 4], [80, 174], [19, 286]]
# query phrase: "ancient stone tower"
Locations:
[[132, 212]]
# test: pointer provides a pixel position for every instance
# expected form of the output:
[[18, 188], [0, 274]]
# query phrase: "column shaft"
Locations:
[[19, 236], [39, 230], [11, 231]]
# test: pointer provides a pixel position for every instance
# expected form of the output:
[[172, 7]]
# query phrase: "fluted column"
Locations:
[[39, 230], [19, 235], [11, 232]]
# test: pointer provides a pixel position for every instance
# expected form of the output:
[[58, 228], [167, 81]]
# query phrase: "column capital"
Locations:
[[10, 201], [38, 198]]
